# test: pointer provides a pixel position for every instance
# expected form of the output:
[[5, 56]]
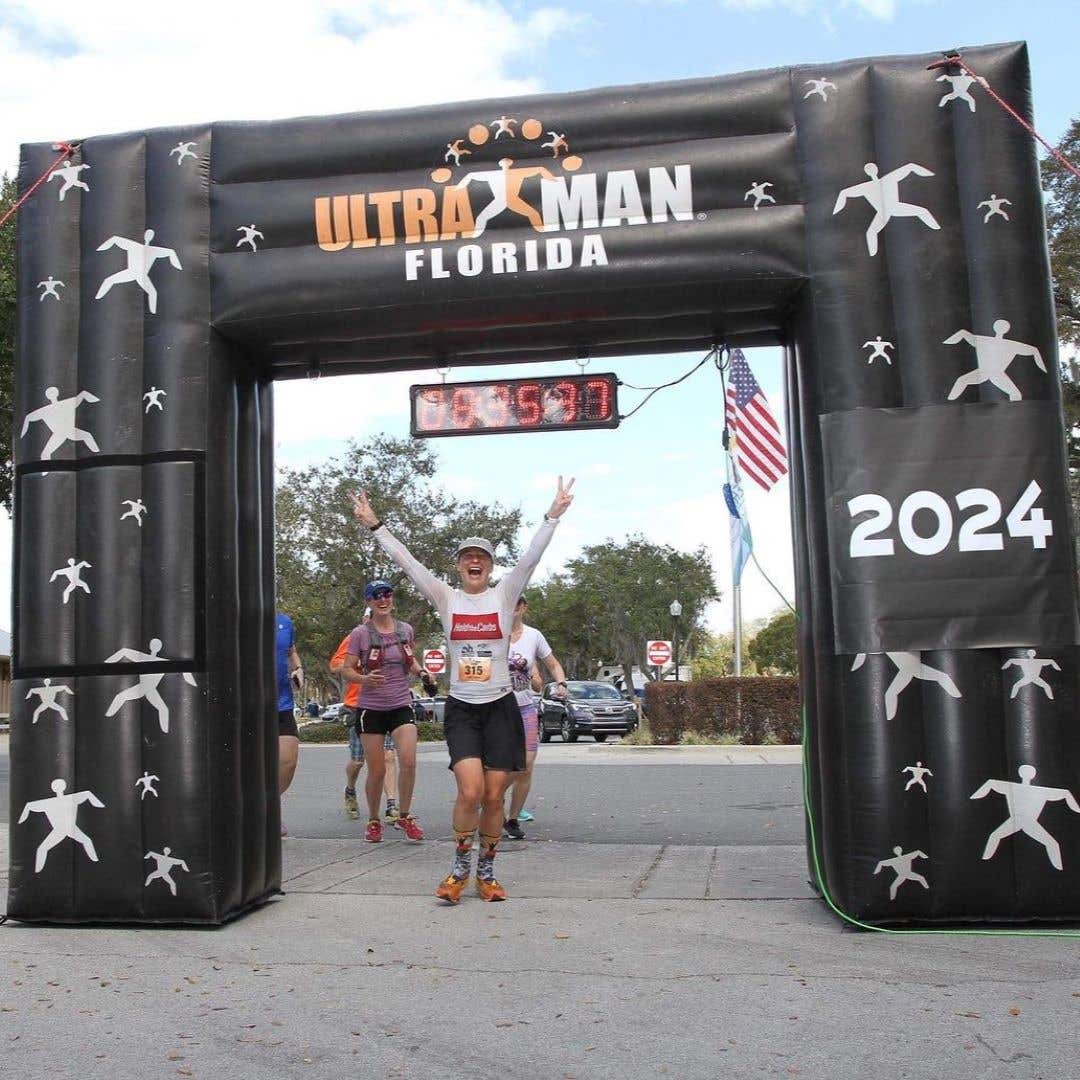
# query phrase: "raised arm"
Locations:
[[26, 811], [841, 202], [124, 654], [518, 578], [433, 590], [960, 335], [1033, 352], [984, 790]]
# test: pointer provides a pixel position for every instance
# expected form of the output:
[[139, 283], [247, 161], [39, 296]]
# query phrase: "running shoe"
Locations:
[[490, 890], [525, 816], [373, 832], [352, 807], [409, 826], [451, 888], [513, 829], [391, 810]]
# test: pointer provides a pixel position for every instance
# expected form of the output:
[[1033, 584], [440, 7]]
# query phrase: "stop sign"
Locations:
[[658, 653], [434, 661]]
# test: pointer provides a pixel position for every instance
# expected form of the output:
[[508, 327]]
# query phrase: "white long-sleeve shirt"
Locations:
[[477, 625]]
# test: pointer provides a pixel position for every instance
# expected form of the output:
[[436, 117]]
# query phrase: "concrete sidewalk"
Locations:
[[608, 961]]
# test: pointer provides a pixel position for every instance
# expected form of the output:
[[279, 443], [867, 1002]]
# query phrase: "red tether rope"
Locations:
[[955, 59], [66, 151]]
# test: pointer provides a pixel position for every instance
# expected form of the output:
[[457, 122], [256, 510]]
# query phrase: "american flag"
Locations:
[[758, 443]]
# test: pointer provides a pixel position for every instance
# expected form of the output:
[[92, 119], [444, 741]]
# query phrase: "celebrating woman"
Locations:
[[380, 657], [482, 721]]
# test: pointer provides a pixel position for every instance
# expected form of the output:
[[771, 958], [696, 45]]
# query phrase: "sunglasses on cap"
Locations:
[[382, 594]]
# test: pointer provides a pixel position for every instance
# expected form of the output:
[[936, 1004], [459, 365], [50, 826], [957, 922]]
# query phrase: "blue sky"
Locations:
[[70, 70]]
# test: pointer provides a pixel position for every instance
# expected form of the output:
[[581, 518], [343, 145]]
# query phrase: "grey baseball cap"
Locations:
[[476, 542]]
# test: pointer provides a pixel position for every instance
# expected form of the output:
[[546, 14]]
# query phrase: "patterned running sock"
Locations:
[[485, 864], [351, 791], [463, 855]]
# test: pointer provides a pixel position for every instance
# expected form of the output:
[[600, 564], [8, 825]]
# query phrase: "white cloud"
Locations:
[[71, 70], [879, 9]]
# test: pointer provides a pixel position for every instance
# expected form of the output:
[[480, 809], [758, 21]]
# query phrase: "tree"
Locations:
[[7, 341], [324, 558], [714, 657], [1063, 231], [614, 597], [775, 648]]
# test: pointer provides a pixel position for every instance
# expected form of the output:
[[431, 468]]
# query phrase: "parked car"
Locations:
[[438, 707], [332, 712], [422, 708], [590, 708]]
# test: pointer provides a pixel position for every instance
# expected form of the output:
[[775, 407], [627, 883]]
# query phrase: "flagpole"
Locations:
[[737, 594]]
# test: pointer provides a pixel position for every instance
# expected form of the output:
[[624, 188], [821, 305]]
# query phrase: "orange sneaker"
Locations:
[[490, 890], [373, 832], [410, 827], [451, 888]]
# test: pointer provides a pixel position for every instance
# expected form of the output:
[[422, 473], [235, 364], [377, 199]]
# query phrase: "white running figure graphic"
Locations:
[[48, 694], [70, 175], [147, 686], [136, 509], [818, 86], [49, 286], [883, 194], [140, 260], [60, 811], [505, 184], [250, 232], [993, 355], [558, 142], [153, 397], [165, 866], [146, 782], [455, 150], [994, 205], [960, 84], [758, 193], [919, 772], [59, 417], [183, 150], [502, 126], [909, 666], [901, 866], [73, 572], [1031, 672], [1026, 802], [878, 348]]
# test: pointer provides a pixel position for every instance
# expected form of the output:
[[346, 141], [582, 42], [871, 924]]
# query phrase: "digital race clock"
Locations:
[[558, 403]]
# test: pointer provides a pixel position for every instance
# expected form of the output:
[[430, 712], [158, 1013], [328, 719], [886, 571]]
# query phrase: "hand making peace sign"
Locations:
[[563, 499], [361, 509]]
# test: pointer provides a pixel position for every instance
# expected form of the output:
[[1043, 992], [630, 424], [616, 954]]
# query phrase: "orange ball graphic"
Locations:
[[571, 163], [478, 134], [440, 176], [532, 129]]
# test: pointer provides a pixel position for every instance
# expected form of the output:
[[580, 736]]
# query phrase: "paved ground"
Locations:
[[611, 960], [586, 793]]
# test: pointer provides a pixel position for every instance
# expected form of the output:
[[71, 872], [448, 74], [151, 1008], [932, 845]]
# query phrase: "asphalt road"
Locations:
[[577, 795], [574, 799]]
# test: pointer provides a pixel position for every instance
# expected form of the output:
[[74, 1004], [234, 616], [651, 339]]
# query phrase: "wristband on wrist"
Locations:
[[377, 525]]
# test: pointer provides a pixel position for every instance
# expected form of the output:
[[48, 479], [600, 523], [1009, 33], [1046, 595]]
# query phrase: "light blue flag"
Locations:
[[742, 543]]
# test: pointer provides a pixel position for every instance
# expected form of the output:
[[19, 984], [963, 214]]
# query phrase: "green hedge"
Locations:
[[752, 710], [335, 733]]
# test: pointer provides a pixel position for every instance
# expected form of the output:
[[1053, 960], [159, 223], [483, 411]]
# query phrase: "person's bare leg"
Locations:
[[520, 785], [288, 755], [405, 751], [376, 763], [390, 776]]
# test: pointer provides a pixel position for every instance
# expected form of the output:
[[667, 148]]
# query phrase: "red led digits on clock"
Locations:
[[527, 404], [597, 400], [567, 391], [463, 408], [497, 406]]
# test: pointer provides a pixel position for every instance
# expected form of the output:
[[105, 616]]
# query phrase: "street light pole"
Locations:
[[676, 611]]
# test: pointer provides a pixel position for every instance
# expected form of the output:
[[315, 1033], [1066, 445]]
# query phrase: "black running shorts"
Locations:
[[492, 732], [383, 721], [286, 724]]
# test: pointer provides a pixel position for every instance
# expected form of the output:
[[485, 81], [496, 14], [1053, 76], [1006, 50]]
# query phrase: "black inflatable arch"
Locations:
[[823, 208]]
